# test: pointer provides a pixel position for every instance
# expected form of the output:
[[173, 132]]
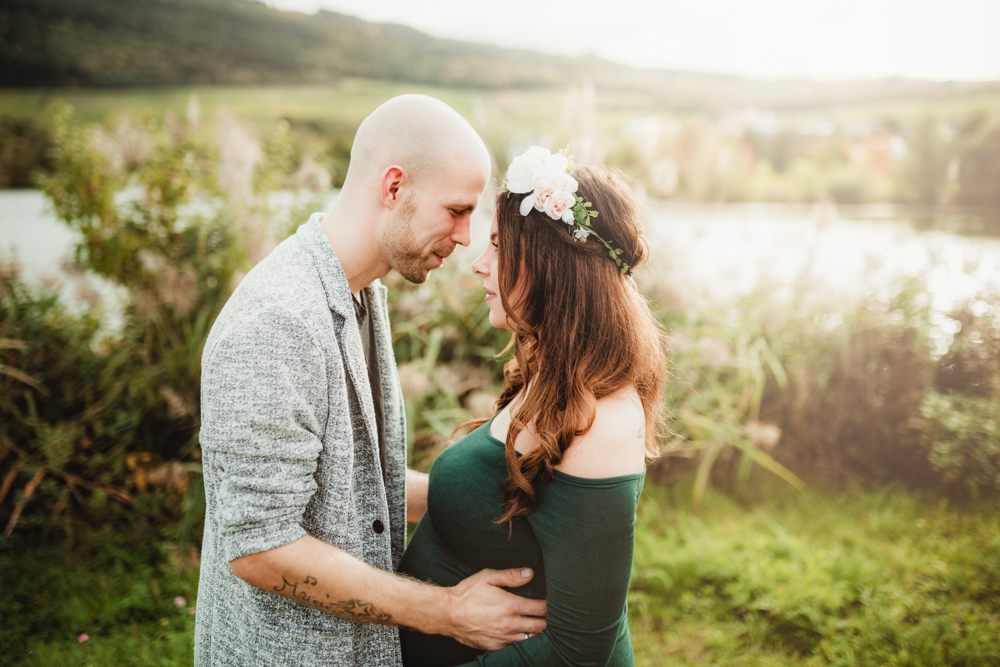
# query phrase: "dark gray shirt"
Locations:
[[366, 325]]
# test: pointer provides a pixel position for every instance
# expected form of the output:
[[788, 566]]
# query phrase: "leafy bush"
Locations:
[[174, 218], [835, 393], [962, 434], [24, 147], [961, 417]]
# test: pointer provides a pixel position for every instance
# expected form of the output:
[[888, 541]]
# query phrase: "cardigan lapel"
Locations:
[[392, 400], [341, 301]]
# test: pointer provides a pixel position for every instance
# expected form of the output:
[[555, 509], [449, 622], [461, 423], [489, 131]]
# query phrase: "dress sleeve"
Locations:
[[262, 392], [586, 528]]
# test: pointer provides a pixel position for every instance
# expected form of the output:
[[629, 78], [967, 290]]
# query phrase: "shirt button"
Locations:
[[377, 526]]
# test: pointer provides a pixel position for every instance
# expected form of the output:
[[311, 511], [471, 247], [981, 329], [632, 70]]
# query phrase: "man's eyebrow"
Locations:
[[461, 207]]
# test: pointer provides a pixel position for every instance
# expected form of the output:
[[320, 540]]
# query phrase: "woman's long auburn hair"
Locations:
[[581, 331]]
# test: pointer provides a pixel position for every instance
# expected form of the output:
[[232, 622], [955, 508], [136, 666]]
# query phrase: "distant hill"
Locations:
[[153, 42], [176, 42]]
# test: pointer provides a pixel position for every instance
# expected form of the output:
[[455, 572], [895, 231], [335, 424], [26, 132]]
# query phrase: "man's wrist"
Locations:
[[431, 610]]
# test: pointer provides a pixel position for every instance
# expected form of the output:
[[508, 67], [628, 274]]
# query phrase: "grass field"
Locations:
[[351, 99], [856, 578], [814, 578]]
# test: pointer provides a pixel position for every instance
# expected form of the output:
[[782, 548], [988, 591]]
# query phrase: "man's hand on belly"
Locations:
[[476, 612], [485, 616]]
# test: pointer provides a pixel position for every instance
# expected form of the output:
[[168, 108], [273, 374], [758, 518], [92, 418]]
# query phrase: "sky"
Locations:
[[768, 39]]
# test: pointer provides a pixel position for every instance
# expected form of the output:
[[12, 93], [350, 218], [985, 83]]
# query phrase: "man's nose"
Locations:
[[462, 233]]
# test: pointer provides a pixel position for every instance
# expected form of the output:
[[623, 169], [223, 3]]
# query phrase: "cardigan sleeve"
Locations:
[[586, 528], [263, 392]]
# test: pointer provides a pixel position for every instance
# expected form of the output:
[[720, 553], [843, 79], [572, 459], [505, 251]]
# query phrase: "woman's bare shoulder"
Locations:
[[616, 443]]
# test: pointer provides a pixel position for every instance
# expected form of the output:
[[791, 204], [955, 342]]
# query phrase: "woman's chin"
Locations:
[[499, 320]]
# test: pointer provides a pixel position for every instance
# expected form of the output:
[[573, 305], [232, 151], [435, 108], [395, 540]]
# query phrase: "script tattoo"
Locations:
[[359, 610], [363, 611]]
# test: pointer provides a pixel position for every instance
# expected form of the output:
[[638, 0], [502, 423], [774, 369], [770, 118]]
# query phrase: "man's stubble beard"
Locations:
[[401, 245]]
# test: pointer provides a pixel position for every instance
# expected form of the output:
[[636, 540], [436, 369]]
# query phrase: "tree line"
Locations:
[[164, 42]]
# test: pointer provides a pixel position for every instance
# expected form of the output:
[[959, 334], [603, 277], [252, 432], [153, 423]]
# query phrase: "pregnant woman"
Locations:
[[551, 481]]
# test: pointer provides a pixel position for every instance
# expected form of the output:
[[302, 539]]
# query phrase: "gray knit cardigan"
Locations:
[[290, 448]]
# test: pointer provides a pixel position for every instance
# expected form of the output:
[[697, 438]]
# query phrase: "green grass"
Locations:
[[117, 587], [816, 578], [350, 100]]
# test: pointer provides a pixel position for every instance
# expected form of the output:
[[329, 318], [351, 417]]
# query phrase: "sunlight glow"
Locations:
[[824, 39]]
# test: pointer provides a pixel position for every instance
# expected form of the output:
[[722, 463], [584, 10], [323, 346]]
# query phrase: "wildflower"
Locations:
[[414, 381], [194, 113], [175, 476], [762, 434], [179, 601], [313, 176], [177, 407], [480, 403], [82, 638], [239, 155]]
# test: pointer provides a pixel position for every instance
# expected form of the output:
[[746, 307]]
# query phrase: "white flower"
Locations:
[[557, 164], [568, 217], [563, 182], [540, 175], [558, 203], [541, 197], [526, 168], [527, 203], [581, 234]]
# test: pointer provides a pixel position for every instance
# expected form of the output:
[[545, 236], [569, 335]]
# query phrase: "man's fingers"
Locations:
[[528, 607], [532, 627], [496, 644], [511, 578]]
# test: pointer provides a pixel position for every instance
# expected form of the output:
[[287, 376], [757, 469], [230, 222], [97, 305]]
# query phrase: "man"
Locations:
[[303, 433]]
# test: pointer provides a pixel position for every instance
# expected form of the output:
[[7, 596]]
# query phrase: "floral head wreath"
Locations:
[[544, 178]]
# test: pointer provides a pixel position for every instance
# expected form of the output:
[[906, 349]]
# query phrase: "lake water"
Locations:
[[701, 253], [30, 232], [716, 252]]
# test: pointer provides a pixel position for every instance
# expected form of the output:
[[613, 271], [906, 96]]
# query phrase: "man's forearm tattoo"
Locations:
[[358, 610]]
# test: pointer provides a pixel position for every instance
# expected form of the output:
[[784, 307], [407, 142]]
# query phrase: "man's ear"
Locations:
[[393, 179]]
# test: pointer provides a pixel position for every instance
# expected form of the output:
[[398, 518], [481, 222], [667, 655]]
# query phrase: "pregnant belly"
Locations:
[[428, 559]]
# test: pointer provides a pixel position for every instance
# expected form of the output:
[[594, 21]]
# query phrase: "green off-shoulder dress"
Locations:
[[578, 540]]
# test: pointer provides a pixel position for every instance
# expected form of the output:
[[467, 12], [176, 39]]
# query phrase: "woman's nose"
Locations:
[[479, 267]]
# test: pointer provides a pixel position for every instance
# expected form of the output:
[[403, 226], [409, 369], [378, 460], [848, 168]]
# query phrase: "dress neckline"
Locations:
[[560, 475]]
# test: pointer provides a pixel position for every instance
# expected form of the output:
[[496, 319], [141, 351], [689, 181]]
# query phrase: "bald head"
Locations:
[[418, 171], [415, 132]]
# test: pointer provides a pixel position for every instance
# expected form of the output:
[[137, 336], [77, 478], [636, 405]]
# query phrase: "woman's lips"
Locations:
[[489, 294]]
